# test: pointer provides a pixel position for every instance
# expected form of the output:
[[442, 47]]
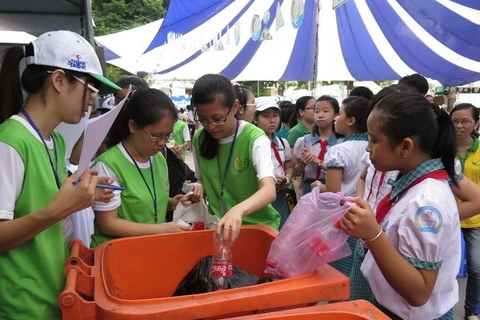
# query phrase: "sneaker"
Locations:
[[472, 317]]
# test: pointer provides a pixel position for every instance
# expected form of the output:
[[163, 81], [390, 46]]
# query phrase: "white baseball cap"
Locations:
[[265, 104], [70, 51]]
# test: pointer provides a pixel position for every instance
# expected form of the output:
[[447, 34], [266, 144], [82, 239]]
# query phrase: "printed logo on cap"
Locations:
[[77, 63]]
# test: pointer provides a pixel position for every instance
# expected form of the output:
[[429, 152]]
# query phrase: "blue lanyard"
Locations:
[[54, 167], [152, 194], [222, 187]]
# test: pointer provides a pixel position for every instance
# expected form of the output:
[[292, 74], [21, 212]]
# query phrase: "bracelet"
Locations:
[[376, 237]]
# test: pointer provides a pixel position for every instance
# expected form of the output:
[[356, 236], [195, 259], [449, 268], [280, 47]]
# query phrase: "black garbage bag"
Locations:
[[199, 279]]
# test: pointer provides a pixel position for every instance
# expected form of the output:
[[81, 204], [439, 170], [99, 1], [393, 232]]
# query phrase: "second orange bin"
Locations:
[[134, 278]]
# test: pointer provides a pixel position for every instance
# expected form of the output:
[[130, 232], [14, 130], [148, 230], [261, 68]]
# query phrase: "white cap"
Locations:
[[70, 51], [265, 104]]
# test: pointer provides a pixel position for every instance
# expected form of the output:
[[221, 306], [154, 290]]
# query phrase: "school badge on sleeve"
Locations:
[[428, 219]]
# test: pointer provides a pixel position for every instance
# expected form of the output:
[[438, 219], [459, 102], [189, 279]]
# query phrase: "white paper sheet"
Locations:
[[95, 132]]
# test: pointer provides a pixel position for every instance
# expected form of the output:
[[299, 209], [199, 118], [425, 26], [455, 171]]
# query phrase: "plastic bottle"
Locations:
[[221, 263]]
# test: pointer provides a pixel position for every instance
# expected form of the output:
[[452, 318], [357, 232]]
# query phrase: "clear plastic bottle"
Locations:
[[221, 263]]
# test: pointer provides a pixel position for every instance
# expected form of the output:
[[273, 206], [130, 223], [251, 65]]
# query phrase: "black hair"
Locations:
[[363, 92], [336, 109], [386, 91], [410, 115], [287, 109], [473, 110], [208, 89], [418, 82], [136, 82], [300, 104], [242, 93], [357, 107], [32, 81], [144, 107]]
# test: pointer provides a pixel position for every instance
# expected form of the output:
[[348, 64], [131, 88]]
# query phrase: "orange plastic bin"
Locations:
[[350, 310], [134, 278]]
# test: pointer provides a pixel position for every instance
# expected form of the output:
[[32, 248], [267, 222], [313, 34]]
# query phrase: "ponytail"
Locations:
[[208, 145], [11, 96], [445, 146], [119, 130]]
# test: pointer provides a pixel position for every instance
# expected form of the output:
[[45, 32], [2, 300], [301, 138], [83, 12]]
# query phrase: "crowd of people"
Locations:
[[411, 169]]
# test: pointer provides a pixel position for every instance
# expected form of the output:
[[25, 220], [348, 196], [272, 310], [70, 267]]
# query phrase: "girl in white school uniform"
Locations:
[[267, 118], [61, 80], [310, 149], [413, 242], [343, 160]]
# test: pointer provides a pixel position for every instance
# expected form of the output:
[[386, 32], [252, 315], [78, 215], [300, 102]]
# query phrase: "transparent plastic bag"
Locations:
[[311, 237], [195, 212]]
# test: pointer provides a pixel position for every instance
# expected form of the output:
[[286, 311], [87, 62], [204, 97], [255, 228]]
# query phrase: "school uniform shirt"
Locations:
[[347, 156], [284, 152], [251, 161], [31, 275], [470, 166], [135, 203], [423, 225], [298, 131], [376, 182], [180, 135], [310, 172]]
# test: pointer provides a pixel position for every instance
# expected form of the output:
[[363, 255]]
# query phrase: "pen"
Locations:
[[110, 186]]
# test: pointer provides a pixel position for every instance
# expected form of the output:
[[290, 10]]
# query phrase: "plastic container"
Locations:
[[134, 278], [351, 310]]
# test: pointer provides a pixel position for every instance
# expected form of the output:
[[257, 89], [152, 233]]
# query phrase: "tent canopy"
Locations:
[[37, 17], [311, 40]]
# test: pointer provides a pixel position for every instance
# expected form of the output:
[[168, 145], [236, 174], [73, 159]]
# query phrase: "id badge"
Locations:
[[223, 207]]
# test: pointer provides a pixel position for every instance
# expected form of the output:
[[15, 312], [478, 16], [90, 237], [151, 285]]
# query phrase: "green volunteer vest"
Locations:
[[137, 203], [241, 181], [177, 133], [31, 275]]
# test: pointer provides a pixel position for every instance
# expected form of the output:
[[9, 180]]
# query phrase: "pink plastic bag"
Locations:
[[310, 237]]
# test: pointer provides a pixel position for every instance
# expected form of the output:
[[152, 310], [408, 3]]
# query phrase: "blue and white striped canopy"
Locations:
[[282, 40]]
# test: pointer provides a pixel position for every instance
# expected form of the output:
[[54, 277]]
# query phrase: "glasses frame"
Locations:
[[156, 139], [94, 91], [464, 122], [215, 123]]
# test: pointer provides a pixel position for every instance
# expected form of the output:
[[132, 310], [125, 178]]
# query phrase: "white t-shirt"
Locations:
[[261, 155], [347, 156], [186, 134], [424, 227], [106, 171], [285, 155], [12, 171]]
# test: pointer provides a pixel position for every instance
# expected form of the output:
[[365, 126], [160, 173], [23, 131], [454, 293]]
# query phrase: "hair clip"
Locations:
[[131, 94]]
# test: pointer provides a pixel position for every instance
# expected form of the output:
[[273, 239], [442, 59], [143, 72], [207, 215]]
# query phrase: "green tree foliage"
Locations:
[[112, 16]]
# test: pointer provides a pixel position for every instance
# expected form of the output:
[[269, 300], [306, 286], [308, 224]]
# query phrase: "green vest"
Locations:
[[241, 181], [177, 135], [137, 203], [31, 275]]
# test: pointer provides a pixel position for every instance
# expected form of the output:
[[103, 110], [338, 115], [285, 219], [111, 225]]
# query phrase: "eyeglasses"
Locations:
[[94, 91], [164, 137], [463, 122], [215, 122]]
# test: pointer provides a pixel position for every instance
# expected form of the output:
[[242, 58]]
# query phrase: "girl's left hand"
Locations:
[[230, 224], [360, 222], [104, 195]]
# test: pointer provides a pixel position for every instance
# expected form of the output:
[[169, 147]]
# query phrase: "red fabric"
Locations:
[[321, 156], [382, 177], [277, 154], [385, 205]]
